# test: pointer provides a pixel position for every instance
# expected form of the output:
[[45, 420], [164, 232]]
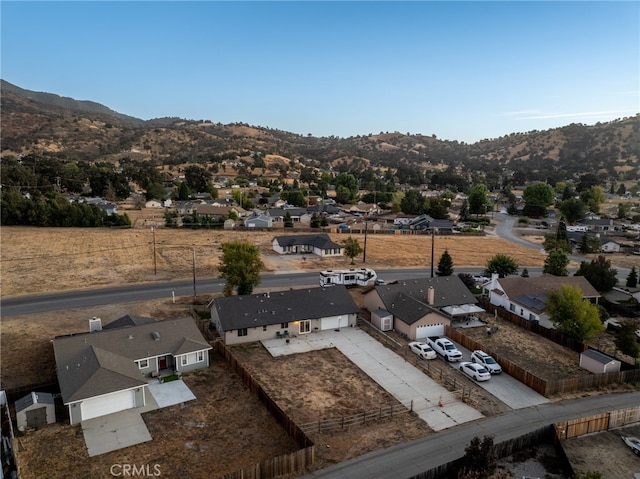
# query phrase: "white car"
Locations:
[[475, 371], [487, 361], [423, 350], [633, 443], [481, 279]]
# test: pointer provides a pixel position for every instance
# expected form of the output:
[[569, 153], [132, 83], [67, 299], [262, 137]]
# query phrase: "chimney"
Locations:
[[95, 324], [431, 295]]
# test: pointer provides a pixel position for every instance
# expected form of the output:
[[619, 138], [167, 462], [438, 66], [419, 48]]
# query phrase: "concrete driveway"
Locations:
[[127, 428], [434, 404]]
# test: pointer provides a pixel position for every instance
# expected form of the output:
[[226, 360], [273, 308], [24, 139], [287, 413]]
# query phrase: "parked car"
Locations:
[[380, 281], [481, 279], [422, 349], [487, 361], [633, 443], [475, 371]]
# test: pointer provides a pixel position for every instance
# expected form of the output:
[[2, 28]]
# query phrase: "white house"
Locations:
[[318, 244]]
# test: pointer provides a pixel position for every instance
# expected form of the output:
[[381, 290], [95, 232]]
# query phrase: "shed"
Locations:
[[382, 319], [598, 363], [35, 410]]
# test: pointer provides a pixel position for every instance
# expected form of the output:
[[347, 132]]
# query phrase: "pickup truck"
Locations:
[[444, 347]]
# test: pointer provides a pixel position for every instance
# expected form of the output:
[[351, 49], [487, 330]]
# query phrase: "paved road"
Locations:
[[409, 459]]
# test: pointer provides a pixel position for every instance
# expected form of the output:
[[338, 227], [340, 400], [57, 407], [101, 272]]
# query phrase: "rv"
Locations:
[[347, 277]]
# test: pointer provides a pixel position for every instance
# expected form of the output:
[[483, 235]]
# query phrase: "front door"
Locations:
[[162, 362]]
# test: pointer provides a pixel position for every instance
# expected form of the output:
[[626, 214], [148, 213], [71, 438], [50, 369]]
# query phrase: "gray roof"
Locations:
[[448, 291], [91, 364], [236, 312], [33, 398], [321, 241], [128, 321], [409, 309], [598, 356]]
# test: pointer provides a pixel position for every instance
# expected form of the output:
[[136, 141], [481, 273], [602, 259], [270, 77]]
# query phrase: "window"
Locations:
[[242, 332], [184, 360], [200, 356], [532, 317], [512, 307], [284, 325], [143, 363], [264, 328]]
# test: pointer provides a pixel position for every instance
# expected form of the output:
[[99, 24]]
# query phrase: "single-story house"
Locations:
[[278, 214], [318, 244], [153, 204], [598, 363], [419, 306], [35, 410], [259, 220], [106, 371], [249, 318], [609, 246], [526, 297], [218, 211]]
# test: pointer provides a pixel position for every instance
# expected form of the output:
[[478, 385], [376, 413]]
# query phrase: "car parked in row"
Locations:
[[422, 349], [475, 371], [482, 358]]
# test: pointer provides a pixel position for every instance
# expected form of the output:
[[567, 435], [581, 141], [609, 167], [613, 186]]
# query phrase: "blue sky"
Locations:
[[460, 70]]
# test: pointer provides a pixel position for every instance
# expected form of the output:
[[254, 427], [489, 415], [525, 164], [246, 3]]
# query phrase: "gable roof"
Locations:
[[236, 312], [92, 364], [33, 398], [448, 291], [409, 309], [128, 321], [598, 356], [321, 241]]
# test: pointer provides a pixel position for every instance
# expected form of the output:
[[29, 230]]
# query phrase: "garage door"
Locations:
[[424, 331], [333, 323], [109, 404]]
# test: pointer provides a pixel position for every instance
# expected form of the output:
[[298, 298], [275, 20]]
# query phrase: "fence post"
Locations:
[[319, 427]]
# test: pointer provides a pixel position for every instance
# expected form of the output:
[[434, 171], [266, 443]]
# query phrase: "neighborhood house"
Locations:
[[106, 370], [318, 244], [244, 319]]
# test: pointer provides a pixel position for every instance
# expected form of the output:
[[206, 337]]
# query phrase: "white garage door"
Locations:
[[333, 323], [424, 331], [108, 404]]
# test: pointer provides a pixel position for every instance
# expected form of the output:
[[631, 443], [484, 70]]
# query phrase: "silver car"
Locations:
[[487, 361]]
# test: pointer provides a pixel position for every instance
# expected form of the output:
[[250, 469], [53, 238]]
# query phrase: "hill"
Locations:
[[47, 124]]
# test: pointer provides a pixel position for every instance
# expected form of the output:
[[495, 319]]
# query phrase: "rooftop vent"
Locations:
[[131, 336], [156, 336]]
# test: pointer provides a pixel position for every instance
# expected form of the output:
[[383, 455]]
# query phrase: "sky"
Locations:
[[462, 71]]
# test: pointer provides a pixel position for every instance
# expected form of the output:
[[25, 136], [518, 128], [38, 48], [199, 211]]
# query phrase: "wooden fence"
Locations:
[[293, 463], [597, 422], [361, 419]]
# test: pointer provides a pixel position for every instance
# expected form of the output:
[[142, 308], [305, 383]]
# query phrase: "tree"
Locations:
[[352, 248], [478, 199], [537, 198], [632, 279], [525, 273], [347, 185], [413, 203], [288, 221], [599, 273], [468, 280], [479, 461], [315, 221], [571, 314], [626, 338], [593, 198], [445, 265], [573, 209], [502, 264], [240, 266], [556, 263]]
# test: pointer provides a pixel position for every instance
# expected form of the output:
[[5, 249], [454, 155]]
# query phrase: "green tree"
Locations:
[[413, 203], [346, 182], [352, 248], [632, 278], [197, 178], [183, 191], [626, 338], [479, 461], [288, 221], [525, 273], [571, 314], [537, 198], [593, 198], [478, 199], [599, 273], [445, 265], [573, 209], [556, 263], [315, 221], [240, 266], [502, 264]]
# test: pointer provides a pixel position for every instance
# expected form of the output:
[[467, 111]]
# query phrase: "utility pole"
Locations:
[[364, 252], [194, 275], [433, 237], [153, 231]]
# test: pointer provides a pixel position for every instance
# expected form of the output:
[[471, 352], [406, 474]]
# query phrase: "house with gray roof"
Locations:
[[422, 307], [249, 318], [526, 297], [106, 371], [318, 244]]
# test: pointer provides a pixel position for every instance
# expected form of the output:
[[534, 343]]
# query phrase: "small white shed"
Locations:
[[598, 363], [382, 319], [35, 410]]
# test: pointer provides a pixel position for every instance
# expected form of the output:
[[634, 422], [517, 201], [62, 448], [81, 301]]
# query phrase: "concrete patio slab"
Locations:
[[170, 393], [114, 431]]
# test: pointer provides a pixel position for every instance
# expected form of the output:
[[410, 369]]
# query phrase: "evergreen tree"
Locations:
[[599, 273], [632, 279], [556, 263], [502, 264], [445, 265]]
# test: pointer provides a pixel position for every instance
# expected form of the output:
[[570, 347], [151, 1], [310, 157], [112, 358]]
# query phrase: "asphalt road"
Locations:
[[410, 459]]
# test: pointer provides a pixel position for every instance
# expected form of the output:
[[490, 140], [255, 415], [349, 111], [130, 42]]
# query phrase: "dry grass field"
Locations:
[[40, 260]]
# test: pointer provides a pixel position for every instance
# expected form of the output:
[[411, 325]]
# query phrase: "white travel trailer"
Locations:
[[348, 277]]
